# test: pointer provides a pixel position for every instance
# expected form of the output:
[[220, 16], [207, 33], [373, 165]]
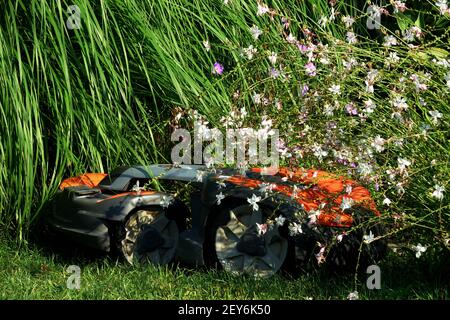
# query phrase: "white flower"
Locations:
[[335, 89], [219, 198], [435, 116], [328, 110], [295, 228], [319, 152], [312, 216], [249, 52], [348, 188], [221, 184], [400, 103], [369, 106], [323, 21], [378, 143], [389, 41], [320, 256], [346, 203], [419, 249], [254, 30], [210, 163], [349, 21], [262, 9], [340, 237], [262, 228], [442, 5], [447, 78], [438, 192], [199, 175], [364, 169], [291, 39], [387, 201], [165, 201], [399, 188], [393, 58], [353, 295], [254, 201], [408, 36], [351, 37], [273, 58], [442, 62], [266, 187], [403, 163], [352, 62], [136, 188], [368, 238], [207, 45], [280, 220], [256, 97]]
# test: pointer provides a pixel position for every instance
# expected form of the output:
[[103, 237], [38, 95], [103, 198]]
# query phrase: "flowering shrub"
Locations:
[[370, 104]]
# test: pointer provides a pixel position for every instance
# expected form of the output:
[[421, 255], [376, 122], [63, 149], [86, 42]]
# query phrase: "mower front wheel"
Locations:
[[150, 237]]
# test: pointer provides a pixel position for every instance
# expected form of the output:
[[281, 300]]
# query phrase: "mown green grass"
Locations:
[[36, 272]]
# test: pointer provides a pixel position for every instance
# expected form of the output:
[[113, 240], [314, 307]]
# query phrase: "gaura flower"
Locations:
[[348, 21], [351, 37], [389, 41], [438, 192], [207, 45], [353, 295], [220, 197], [335, 89], [351, 109], [346, 203], [369, 238], [166, 201], [262, 228], [295, 228], [399, 6], [262, 9], [199, 175], [255, 31], [273, 58], [310, 69], [254, 201], [218, 68], [280, 220], [419, 249]]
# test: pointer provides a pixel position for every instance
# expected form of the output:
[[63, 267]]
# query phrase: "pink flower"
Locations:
[[310, 69], [399, 6], [218, 68], [262, 228], [305, 90], [351, 109]]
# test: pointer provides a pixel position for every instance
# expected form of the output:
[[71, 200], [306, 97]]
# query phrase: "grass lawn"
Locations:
[[37, 273]]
